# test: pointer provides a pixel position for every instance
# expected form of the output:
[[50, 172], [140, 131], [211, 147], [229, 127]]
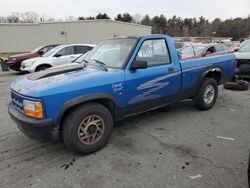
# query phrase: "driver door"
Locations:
[[155, 85]]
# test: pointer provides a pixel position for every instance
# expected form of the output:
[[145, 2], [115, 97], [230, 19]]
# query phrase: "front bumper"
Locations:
[[37, 129], [26, 69], [14, 65]]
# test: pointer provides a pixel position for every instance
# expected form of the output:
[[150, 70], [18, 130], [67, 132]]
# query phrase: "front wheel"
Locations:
[[87, 128], [41, 68], [206, 95]]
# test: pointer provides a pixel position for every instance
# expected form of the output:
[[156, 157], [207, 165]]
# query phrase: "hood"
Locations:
[[54, 71], [63, 80], [21, 55], [69, 64], [32, 59], [242, 55]]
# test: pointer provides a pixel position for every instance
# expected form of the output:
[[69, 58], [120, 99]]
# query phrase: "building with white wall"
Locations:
[[24, 37]]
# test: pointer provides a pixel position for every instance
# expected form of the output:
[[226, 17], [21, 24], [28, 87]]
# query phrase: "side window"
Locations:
[[155, 52], [66, 51], [82, 49]]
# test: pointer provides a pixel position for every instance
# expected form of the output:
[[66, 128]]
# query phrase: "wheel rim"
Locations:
[[91, 129], [209, 94]]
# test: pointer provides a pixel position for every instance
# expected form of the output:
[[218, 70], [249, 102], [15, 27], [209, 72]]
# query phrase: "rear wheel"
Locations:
[[87, 128], [206, 95]]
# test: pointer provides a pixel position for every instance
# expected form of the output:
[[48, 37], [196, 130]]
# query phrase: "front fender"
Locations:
[[81, 100]]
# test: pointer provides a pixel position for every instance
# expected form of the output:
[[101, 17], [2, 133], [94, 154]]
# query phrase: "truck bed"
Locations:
[[193, 69]]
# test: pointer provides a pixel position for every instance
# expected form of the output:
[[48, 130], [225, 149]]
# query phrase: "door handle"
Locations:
[[170, 69]]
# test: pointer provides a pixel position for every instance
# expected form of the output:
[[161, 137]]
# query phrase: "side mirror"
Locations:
[[139, 64], [57, 55]]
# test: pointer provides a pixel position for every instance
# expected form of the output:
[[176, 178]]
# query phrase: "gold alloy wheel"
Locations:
[[91, 129]]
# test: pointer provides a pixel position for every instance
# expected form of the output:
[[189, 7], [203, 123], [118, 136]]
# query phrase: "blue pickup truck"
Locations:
[[118, 78]]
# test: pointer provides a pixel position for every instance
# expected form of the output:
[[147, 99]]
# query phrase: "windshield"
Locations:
[[37, 49], [112, 53], [52, 51], [80, 58], [245, 47]]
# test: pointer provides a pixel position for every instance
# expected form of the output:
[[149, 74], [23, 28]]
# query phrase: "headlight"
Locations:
[[33, 109], [28, 64], [14, 59]]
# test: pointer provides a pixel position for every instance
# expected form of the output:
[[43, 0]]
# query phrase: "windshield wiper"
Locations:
[[103, 65], [84, 64], [85, 61]]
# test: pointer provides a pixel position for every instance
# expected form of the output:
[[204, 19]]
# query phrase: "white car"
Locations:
[[58, 56], [243, 59]]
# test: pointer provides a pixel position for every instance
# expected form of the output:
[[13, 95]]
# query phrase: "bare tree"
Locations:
[[29, 17], [3, 19], [13, 18], [137, 18], [71, 18]]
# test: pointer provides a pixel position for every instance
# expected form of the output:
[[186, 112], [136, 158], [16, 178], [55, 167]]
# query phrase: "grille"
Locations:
[[17, 101]]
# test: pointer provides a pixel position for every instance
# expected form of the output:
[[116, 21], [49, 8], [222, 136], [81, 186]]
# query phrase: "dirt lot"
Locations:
[[173, 147]]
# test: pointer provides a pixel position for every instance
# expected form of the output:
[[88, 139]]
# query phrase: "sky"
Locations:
[[184, 8]]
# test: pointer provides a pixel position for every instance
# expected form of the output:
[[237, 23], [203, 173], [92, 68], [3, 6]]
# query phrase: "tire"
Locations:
[[42, 67], [208, 87], [238, 85], [77, 124]]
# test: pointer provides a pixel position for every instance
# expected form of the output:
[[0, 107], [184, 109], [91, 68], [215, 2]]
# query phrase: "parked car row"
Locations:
[[14, 62], [47, 56], [59, 55], [197, 50], [188, 51], [54, 55]]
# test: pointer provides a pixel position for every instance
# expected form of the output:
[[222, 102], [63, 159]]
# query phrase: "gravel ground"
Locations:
[[177, 146]]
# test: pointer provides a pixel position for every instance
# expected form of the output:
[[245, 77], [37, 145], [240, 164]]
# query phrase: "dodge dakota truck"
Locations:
[[120, 77]]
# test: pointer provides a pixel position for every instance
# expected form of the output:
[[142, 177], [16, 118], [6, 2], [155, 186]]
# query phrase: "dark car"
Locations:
[[14, 62], [197, 50]]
